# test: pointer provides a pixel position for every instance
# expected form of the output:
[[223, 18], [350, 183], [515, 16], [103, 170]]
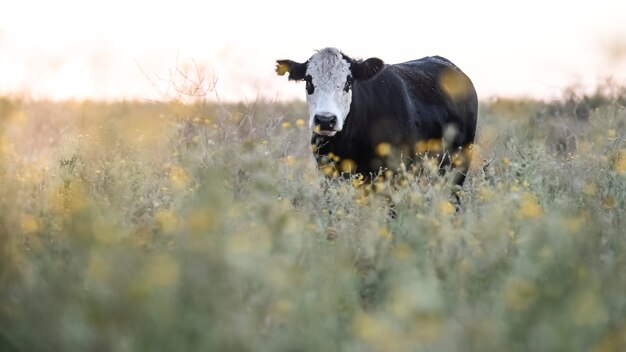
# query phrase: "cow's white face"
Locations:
[[329, 91], [329, 75]]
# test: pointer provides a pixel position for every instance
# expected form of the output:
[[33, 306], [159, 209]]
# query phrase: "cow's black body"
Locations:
[[400, 106]]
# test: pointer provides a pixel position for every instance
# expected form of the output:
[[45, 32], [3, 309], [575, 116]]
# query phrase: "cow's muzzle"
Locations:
[[325, 123]]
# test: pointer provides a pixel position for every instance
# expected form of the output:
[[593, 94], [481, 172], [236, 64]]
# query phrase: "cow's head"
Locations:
[[329, 75]]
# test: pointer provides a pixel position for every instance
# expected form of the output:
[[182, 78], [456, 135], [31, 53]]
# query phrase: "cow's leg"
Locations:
[[392, 212], [459, 166]]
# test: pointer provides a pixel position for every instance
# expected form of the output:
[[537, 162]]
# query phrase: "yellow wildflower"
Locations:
[[383, 149]]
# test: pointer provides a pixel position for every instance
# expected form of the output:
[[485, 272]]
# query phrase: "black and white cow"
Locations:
[[368, 116]]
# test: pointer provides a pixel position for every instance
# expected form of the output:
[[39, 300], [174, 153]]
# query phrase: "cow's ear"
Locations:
[[366, 69], [297, 71]]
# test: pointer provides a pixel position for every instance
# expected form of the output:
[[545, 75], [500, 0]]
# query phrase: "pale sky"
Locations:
[[125, 49]]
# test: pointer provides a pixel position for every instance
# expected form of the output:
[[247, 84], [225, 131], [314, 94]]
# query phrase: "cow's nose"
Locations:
[[326, 122]]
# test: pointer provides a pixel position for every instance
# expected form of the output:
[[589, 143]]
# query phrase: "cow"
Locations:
[[369, 117]]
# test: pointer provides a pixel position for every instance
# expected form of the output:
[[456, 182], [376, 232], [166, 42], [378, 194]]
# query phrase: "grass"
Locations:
[[136, 226]]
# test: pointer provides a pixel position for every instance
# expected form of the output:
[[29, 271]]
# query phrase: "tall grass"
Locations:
[[135, 226]]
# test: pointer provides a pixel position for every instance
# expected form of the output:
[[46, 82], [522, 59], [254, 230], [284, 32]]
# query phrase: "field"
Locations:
[[185, 225]]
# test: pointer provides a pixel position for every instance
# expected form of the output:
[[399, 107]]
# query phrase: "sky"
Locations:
[[123, 49]]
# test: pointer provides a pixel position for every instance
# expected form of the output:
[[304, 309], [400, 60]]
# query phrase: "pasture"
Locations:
[[191, 226]]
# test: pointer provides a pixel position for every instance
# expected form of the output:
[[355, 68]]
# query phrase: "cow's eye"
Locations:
[[348, 85], [309, 84]]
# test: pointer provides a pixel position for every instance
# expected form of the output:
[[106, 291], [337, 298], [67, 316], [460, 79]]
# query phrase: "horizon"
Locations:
[[142, 51]]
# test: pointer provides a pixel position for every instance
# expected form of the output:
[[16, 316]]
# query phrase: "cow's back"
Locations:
[[443, 96]]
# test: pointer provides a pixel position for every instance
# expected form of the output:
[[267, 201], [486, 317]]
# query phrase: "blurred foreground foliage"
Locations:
[[170, 226]]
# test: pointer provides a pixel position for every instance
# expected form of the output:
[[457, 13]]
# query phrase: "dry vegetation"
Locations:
[[191, 226]]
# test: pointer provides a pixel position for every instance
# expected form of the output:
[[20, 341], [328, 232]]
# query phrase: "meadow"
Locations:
[[187, 225]]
